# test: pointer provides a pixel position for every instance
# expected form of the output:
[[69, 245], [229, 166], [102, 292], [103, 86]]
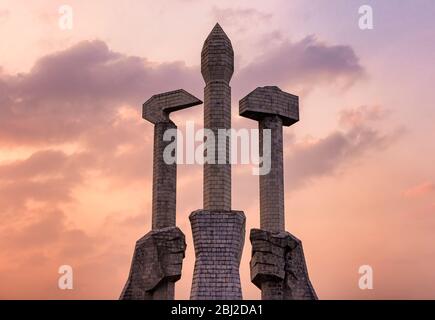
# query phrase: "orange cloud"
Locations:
[[358, 116], [419, 190]]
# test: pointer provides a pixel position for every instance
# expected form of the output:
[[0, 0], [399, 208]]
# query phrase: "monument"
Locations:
[[218, 232], [158, 256], [277, 265]]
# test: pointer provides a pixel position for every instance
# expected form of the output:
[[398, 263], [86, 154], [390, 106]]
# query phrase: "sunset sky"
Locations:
[[76, 156]]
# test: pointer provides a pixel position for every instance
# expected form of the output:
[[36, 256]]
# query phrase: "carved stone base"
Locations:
[[278, 266], [156, 265], [218, 239]]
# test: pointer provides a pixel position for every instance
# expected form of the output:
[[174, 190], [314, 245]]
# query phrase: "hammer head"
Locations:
[[267, 101], [157, 108]]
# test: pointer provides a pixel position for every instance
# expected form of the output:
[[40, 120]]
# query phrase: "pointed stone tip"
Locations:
[[217, 31], [217, 56], [217, 27]]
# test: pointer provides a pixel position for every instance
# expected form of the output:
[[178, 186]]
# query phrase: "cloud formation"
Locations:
[[68, 93], [312, 159], [46, 176], [304, 64], [239, 16], [419, 190]]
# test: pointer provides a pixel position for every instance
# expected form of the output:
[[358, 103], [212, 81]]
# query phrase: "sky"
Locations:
[[76, 156]]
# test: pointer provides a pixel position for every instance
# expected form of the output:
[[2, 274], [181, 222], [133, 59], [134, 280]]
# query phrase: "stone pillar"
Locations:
[[217, 66], [164, 200], [158, 256], [164, 180], [218, 232], [272, 184], [278, 264]]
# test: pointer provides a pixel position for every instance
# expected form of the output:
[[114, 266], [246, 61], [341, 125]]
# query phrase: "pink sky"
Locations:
[[76, 161]]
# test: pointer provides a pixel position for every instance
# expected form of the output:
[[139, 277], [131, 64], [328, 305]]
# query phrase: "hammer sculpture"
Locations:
[[278, 265], [158, 256]]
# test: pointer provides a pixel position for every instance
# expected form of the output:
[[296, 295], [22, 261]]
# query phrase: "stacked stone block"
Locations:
[[156, 266], [218, 239], [278, 264], [217, 67], [272, 184], [164, 180], [218, 232], [217, 177], [270, 100], [158, 256]]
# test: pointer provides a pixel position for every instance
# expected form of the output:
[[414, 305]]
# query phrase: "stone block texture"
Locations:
[[157, 110], [164, 181], [272, 184], [158, 256], [217, 67], [156, 265], [272, 108], [217, 57], [278, 266], [270, 100], [158, 107], [218, 239], [217, 177]]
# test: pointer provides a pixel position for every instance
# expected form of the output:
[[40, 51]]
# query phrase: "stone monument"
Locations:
[[278, 264], [218, 232], [158, 256]]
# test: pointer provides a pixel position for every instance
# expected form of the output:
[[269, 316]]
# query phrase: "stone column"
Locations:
[[278, 264], [218, 232], [217, 66], [272, 184], [158, 256], [164, 197], [164, 180]]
